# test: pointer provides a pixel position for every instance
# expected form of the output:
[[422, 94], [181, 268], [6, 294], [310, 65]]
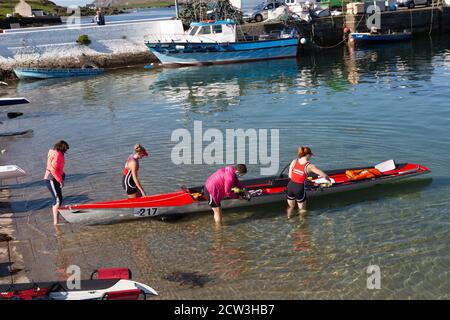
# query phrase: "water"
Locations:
[[144, 14], [352, 108]]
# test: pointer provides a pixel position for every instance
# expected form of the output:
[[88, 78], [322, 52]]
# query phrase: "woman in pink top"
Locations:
[[219, 185], [54, 175]]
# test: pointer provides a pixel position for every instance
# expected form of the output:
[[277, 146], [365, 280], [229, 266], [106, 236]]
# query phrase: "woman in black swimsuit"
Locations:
[[130, 181]]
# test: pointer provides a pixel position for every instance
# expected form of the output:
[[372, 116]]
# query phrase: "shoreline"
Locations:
[[12, 265]]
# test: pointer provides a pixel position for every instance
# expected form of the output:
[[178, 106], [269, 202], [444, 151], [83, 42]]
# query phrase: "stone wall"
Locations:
[[418, 21], [112, 45]]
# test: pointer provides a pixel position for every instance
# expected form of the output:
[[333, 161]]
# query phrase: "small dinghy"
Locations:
[[374, 37], [41, 73], [11, 172]]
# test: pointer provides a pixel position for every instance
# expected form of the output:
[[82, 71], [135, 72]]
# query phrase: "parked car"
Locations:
[[260, 12], [412, 3]]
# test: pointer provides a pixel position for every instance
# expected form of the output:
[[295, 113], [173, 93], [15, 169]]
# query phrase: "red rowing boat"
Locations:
[[263, 190]]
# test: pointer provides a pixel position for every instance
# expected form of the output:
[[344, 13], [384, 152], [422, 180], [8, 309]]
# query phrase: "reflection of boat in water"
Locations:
[[43, 73], [216, 42], [223, 85]]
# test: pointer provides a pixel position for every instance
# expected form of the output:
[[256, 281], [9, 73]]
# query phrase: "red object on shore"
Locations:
[[132, 294], [112, 273]]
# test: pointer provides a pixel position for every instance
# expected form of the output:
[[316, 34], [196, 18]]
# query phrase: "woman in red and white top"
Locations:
[[54, 175], [298, 173]]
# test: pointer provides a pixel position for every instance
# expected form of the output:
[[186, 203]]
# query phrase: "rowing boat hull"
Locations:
[[36, 73], [273, 189]]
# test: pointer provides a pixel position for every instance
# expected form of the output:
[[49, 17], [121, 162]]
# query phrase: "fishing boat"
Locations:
[[13, 101], [263, 190], [216, 42], [379, 38], [111, 284], [42, 73]]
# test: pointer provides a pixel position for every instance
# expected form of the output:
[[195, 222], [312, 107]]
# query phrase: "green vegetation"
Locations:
[[84, 40], [44, 5], [50, 8]]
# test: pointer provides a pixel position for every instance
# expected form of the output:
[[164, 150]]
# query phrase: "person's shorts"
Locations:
[[296, 191], [55, 189], [128, 184], [211, 202]]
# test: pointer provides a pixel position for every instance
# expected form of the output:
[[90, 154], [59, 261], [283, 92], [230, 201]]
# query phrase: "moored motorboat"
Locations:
[[264, 190], [217, 43]]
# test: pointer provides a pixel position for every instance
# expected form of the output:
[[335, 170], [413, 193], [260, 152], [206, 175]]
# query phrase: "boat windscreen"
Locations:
[[192, 31]]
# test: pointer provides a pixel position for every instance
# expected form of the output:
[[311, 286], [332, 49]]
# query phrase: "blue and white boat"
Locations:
[[377, 38], [216, 42], [41, 73]]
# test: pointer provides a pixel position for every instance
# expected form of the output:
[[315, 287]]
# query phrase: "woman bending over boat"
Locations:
[[298, 173], [221, 184], [54, 175], [130, 180]]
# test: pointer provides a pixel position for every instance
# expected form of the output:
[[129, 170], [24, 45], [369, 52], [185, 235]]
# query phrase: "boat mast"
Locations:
[[176, 9]]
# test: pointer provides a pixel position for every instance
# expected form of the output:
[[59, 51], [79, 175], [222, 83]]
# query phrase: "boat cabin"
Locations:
[[212, 32]]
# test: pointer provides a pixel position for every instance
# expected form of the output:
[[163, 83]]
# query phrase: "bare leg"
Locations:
[[290, 212], [302, 206], [55, 209], [291, 203], [217, 215], [132, 196]]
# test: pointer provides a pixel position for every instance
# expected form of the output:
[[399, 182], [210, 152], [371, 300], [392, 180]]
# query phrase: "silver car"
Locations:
[[260, 12], [412, 3]]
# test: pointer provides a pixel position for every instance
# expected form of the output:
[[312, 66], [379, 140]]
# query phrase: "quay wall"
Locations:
[[329, 31], [111, 45], [418, 21]]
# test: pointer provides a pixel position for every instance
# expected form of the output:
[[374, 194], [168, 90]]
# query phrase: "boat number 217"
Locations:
[[145, 212]]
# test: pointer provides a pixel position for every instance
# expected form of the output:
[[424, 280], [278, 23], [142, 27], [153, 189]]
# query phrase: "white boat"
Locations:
[[113, 288], [13, 101], [11, 172]]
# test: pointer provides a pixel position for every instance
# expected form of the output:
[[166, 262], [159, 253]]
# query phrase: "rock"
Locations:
[[13, 115]]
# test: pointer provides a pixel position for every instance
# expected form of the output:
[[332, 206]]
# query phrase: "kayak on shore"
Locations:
[[263, 190], [111, 284]]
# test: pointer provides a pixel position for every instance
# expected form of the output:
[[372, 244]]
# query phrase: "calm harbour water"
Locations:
[[352, 108]]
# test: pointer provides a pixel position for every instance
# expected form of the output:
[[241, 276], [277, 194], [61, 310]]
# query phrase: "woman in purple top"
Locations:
[[219, 185]]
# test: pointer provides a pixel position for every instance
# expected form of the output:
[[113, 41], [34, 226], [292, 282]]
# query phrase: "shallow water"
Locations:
[[352, 108]]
